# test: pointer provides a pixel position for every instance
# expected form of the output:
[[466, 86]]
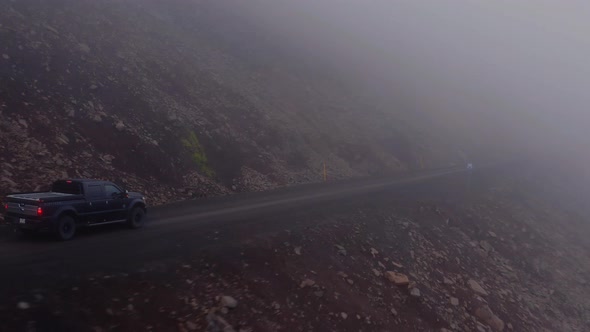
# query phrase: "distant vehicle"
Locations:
[[469, 166], [71, 204]]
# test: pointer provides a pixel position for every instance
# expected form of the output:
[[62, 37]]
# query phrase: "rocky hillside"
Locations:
[[182, 99]]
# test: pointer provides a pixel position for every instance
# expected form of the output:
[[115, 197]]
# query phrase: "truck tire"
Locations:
[[65, 229], [136, 218]]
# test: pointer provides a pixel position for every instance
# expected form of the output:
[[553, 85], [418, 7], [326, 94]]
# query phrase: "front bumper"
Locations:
[[28, 223]]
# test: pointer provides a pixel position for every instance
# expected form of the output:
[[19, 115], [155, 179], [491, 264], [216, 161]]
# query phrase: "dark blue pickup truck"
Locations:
[[75, 203]]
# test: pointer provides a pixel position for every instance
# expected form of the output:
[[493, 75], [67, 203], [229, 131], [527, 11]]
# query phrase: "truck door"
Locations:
[[116, 202], [96, 204]]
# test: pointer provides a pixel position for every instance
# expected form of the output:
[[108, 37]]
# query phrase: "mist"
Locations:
[[502, 75]]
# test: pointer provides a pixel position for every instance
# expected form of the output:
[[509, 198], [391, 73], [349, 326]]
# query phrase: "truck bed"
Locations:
[[42, 196]]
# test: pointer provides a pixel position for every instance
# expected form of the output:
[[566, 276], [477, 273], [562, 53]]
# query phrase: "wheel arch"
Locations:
[[137, 204], [70, 212]]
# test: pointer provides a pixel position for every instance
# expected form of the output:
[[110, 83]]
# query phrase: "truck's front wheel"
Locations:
[[65, 228], [136, 218]]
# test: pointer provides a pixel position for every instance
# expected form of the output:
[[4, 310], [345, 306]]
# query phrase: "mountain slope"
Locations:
[[180, 99]]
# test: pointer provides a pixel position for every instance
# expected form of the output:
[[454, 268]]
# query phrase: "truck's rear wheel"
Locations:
[[136, 218], [65, 228]]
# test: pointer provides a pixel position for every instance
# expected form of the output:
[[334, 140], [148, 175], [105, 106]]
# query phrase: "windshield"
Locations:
[[66, 187]]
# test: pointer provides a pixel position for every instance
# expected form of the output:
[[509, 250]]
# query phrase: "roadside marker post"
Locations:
[[469, 179]]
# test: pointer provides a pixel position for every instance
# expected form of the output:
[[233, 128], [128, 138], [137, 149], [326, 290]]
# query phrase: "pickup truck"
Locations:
[[71, 204]]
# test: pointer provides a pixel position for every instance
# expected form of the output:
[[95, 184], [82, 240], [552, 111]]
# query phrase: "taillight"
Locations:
[[6, 207], [39, 211]]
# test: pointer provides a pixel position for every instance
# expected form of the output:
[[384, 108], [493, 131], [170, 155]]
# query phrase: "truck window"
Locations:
[[110, 190], [66, 187], [94, 191]]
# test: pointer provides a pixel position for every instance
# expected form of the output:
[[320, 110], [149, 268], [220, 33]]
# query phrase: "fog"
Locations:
[[513, 75]]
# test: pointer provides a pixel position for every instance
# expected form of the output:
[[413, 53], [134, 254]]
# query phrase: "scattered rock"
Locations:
[[447, 281], [486, 246], [275, 305], [374, 252], [343, 315], [297, 250], [454, 301], [481, 327], [342, 274], [341, 249], [191, 326], [84, 48], [476, 287], [217, 323], [120, 125], [107, 158], [376, 272], [23, 305], [9, 181], [307, 283], [492, 234], [350, 281], [397, 278], [52, 29], [415, 292], [93, 87], [6, 56], [109, 311], [393, 312], [63, 139], [398, 265], [486, 315], [318, 293], [228, 302]]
